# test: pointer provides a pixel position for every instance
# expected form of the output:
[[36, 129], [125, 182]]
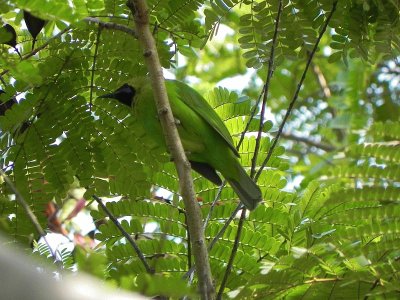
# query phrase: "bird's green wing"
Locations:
[[195, 101]]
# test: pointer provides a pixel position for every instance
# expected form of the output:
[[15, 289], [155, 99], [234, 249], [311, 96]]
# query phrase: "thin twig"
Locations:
[[218, 235], [232, 256], [256, 150], [213, 205], [322, 146], [32, 217], [189, 246], [270, 71], [96, 49], [266, 91], [226, 224], [24, 204], [125, 234], [326, 91], [242, 135], [36, 50], [321, 81], [296, 94], [232, 216], [3, 82], [114, 26], [139, 11]]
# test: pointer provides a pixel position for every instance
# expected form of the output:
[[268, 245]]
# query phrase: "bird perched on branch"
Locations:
[[205, 138]]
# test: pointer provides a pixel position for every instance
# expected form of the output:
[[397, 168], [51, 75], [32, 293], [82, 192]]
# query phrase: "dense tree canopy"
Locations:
[[309, 91]]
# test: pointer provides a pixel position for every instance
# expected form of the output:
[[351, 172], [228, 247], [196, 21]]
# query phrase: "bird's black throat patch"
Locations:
[[124, 94]]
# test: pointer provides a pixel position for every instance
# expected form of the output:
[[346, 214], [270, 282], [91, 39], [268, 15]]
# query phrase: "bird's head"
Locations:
[[125, 94]]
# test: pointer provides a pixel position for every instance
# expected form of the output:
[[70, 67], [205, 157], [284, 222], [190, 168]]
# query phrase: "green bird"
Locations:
[[205, 138]]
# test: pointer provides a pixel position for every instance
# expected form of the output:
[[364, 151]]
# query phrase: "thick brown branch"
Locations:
[[140, 11]]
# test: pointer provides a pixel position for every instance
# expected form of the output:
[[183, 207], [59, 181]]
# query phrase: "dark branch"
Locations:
[[113, 26], [322, 146], [256, 149], [296, 95], [218, 236], [96, 49], [265, 91], [32, 53], [233, 254], [125, 234], [32, 217]]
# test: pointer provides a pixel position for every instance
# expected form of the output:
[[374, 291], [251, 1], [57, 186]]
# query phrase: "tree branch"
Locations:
[[139, 10], [264, 94], [233, 254], [24, 204], [296, 94], [321, 81], [113, 26], [323, 146], [218, 235], [242, 135], [102, 24], [326, 91], [36, 50], [96, 49], [125, 234], [28, 211], [265, 90]]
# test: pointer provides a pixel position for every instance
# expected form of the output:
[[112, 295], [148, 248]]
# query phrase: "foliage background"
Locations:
[[329, 223]]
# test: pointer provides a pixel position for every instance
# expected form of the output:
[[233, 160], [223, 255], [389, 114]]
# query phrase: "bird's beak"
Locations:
[[124, 95], [109, 96]]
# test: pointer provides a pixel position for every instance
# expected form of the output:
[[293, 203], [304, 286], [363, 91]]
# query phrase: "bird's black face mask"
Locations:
[[124, 95]]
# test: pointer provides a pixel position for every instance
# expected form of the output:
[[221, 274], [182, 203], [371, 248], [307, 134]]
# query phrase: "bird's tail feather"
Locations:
[[247, 190]]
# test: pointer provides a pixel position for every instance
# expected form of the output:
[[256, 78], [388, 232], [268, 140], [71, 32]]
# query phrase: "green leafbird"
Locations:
[[205, 138]]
